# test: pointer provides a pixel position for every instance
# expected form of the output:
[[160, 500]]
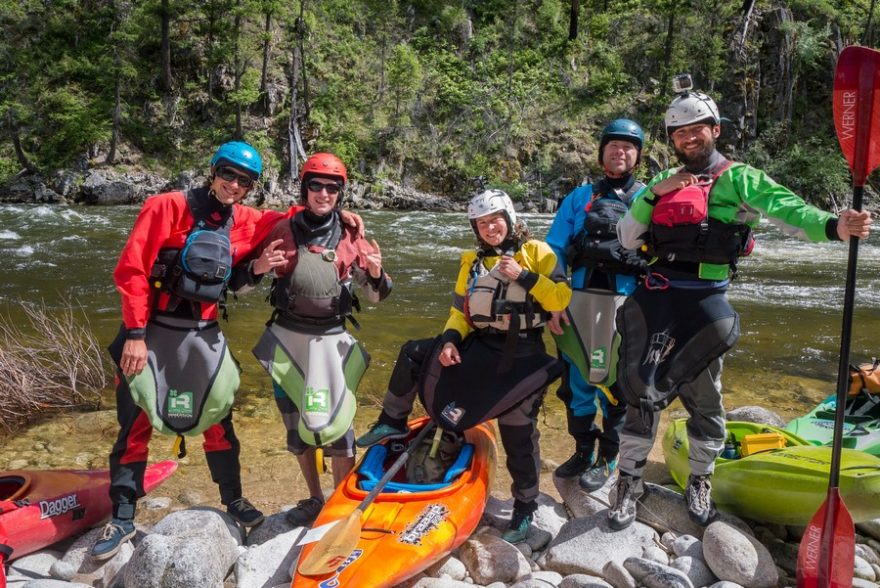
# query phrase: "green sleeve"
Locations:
[[783, 207]]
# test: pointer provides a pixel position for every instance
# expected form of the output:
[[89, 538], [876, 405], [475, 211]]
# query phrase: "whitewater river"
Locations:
[[789, 295]]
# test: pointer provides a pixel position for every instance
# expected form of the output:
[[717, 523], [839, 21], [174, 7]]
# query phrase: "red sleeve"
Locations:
[[158, 225], [261, 223]]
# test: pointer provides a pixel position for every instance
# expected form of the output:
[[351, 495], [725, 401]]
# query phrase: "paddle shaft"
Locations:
[[395, 467], [860, 164]]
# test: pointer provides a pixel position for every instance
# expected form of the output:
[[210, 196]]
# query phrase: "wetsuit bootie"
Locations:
[[518, 529], [627, 490], [244, 513], [575, 465], [596, 477], [116, 534], [698, 494], [381, 432], [305, 512]]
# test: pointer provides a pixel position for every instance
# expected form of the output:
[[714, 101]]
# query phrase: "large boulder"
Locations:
[[491, 559], [756, 414], [585, 545], [738, 557], [268, 563], [187, 548]]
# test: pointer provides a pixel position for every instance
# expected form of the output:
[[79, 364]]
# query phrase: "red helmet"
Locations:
[[324, 164]]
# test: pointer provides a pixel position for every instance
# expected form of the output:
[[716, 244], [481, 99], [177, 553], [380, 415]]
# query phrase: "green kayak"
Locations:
[[861, 425], [784, 486]]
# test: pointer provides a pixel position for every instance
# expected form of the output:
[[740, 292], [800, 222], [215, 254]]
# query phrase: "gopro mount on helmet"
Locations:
[[682, 83]]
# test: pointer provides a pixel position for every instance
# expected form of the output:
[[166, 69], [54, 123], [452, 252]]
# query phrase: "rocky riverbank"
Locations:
[[109, 187], [568, 546]]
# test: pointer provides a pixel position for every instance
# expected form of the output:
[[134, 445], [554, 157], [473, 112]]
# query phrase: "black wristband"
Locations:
[[138, 334], [450, 336], [527, 279], [831, 229]]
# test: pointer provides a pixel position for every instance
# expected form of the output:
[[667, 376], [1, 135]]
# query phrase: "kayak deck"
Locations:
[[784, 486], [406, 531], [40, 507]]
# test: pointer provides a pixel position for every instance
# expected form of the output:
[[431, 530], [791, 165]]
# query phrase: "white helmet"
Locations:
[[690, 108], [489, 202]]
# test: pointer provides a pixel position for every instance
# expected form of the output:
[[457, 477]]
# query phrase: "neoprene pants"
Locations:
[[705, 426], [518, 428], [579, 398], [128, 458]]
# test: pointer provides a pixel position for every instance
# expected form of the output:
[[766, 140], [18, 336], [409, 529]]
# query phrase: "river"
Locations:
[[789, 295]]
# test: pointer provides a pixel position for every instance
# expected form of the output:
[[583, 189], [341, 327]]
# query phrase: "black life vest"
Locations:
[[313, 293], [596, 245], [681, 229], [200, 270]]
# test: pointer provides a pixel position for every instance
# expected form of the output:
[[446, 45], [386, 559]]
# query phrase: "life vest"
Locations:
[[682, 230], [314, 292], [200, 270], [596, 245], [493, 301]]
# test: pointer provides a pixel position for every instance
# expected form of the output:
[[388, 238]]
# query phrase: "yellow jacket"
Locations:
[[545, 281]]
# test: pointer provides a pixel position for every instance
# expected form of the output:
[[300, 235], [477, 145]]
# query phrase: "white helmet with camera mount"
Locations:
[[689, 108]]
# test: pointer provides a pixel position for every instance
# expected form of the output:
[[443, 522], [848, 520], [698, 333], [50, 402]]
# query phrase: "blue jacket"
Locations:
[[567, 223]]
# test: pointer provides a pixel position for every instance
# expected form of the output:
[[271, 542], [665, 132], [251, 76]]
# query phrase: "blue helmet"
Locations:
[[625, 130], [240, 155]]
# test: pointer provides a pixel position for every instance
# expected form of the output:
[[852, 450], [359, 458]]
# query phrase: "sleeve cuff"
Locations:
[[450, 336], [831, 229], [139, 333], [376, 282], [527, 279]]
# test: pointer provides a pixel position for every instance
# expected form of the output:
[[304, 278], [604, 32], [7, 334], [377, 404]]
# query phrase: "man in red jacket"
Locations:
[[172, 275]]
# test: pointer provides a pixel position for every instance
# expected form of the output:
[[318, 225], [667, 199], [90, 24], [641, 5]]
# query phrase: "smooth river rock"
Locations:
[[736, 556]]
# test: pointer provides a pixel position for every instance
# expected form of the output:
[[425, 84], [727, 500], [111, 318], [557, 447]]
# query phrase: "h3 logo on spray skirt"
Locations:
[[598, 359], [180, 404], [317, 400]]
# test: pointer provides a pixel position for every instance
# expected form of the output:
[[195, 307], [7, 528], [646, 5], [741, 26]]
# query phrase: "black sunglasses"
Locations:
[[228, 174], [316, 186]]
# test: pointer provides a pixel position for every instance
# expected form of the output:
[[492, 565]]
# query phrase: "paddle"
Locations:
[[332, 549], [827, 551]]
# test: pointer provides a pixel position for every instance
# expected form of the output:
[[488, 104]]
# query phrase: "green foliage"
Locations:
[[431, 91]]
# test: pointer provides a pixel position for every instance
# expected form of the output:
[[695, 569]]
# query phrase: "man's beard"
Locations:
[[697, 159]]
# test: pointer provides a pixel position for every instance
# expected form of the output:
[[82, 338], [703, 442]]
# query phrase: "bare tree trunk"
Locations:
[[117, 117], [868, 36], [264, 72], [787, 73], [573, 20], [212, 18], [670, 37], [239, 132], [743, 35], [12, 125], [165, 78], [301, 34], [294, 135]]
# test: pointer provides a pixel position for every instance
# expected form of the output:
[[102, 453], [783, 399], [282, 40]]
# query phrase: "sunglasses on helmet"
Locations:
[[228, 174], [316, 186]]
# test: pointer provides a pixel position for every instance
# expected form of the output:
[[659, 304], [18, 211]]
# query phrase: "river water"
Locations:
[[789, 295]]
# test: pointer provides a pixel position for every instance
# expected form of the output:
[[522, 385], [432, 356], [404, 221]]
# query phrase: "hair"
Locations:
[[519, 235]]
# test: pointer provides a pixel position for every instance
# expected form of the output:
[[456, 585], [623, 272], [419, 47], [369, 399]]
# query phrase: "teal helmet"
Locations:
[[624, 130], [241, 155]]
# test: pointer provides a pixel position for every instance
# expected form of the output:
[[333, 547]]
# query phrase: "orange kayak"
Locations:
[[40, 507], [407, 528]]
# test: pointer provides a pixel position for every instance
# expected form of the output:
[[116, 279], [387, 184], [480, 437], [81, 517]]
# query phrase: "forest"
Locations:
[[426, 93]]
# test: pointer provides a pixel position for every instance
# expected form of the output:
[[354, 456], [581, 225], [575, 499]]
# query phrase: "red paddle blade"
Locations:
[[857, 109], [827, 551]]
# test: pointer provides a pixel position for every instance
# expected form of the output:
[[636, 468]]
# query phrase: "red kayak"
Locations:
[[40, 507]]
